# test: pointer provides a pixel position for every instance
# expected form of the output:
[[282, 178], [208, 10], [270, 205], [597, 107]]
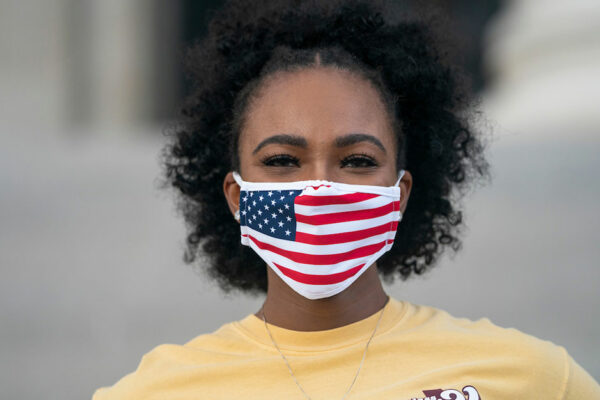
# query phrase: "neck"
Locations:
[[287, 309]]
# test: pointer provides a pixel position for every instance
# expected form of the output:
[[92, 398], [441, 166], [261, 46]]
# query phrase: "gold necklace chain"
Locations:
[[290, 368]]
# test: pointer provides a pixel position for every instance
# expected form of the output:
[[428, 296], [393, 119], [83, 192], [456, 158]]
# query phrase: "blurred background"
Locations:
[[92, 276]]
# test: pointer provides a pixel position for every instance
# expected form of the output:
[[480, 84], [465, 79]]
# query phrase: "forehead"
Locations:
[[318, 103]]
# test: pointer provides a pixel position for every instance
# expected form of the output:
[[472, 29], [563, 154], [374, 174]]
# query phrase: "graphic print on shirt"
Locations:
[[468, 393]]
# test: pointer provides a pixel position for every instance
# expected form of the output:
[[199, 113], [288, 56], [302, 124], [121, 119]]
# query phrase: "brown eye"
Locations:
[[359, 161], [281, 160]]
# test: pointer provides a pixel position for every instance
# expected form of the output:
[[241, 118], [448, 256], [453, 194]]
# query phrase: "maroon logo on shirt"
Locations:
[[468, 393]]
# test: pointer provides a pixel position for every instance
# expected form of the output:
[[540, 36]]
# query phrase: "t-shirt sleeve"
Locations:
[[579, 384], [134, 384], [118, 391], [100, 393]]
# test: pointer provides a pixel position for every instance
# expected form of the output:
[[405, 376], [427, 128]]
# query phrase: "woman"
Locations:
[[310, 126]]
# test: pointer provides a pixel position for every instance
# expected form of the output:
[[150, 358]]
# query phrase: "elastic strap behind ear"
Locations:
[[238, 178], [400, 175]]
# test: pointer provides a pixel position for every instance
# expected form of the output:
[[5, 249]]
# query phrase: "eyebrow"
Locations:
[[353, 138], [299, 141], [291, 140]]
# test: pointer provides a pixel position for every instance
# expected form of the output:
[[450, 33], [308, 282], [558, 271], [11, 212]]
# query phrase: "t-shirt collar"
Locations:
[[314, 341]]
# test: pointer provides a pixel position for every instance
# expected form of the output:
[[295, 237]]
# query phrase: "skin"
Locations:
[[302, 125]]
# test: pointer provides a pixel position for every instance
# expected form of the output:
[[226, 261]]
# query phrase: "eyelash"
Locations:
[[271, 160], [362, 157]]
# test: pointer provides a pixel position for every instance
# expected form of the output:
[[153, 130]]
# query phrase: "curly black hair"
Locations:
[[401, 56]]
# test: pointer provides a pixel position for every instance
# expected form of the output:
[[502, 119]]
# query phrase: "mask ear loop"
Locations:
[[238, 178], [239, 181], [400, 175]]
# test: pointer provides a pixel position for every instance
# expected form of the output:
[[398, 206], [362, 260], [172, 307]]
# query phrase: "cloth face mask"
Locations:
[[318, 236]]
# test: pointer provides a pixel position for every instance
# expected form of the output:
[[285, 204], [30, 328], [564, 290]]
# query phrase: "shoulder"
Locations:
[[157, 362], [495, 350], [482, 336], [160, 368]]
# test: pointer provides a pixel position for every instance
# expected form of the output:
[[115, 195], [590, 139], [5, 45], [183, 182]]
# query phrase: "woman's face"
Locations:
[[317, 123]]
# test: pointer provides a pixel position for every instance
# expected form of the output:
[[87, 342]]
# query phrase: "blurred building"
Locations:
[[113, 67], [102, 65], [544, 57]]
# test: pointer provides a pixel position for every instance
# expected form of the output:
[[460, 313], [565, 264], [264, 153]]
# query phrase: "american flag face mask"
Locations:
[[318, 236]]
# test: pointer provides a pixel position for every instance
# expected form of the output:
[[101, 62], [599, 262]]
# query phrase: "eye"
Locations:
[[359, 161], [281, 160]]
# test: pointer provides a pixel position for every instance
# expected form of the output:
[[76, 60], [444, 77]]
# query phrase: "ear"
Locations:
[[405, 186], [232, 193]]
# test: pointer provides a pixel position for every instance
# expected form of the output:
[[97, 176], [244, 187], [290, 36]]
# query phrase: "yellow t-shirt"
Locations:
[[417, 352]]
